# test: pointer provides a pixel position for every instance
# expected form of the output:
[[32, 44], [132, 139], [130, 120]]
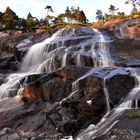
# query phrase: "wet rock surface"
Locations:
[[125, 35], [8, 134], [14, 45], [72, 95], [122, 134], [125, 53], [127, 127], [49, 104]]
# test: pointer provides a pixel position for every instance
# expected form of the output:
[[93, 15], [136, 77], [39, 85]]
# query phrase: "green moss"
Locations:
[[135, 114]]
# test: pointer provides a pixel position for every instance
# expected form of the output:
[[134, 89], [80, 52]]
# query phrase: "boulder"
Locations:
[[54, 86], [8, 134]]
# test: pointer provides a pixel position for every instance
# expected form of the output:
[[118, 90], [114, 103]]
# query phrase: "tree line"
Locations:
[[10, 20], [119, 15]]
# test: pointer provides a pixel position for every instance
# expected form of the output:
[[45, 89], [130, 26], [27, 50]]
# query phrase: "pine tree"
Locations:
[[31, 21], [10, 18], [82, 18], [133, 3], [99, 15], [112, 9], [49, 9], [68, 14]]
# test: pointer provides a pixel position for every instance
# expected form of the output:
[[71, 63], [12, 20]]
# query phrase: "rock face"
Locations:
[[53, 104], [125, 53], [125, 42], [121, 134], [14, 45], [71, 91]]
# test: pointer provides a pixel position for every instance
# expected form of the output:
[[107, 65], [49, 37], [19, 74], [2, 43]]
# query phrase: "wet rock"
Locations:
[[122, 134], [65, 100], [2, 78], [125, 42], [114, 87], [81, 108], [44, 86], [68, 99], [56, 136], [26, 135], [14, 45], [9, 134], [125, 53], [127, 128]]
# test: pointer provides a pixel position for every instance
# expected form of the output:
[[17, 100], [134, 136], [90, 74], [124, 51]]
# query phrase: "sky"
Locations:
[[37, 7]]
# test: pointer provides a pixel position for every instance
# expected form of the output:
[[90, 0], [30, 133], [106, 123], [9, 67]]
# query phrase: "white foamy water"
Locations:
[[41, 58], [106, 96], [43, 53], [11, 86]]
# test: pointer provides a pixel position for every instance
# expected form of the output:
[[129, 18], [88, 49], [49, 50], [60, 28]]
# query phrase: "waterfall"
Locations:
[[41, 56], [11, 86], [106, 96], [104, 61], [43, 53], [60, 48], [64, 45], [64, 59]]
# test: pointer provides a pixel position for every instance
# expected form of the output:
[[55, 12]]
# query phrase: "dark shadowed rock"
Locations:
[[125, 53], [50, 106]]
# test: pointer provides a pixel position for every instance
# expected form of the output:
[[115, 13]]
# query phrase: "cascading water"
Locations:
[[64, 45], [11, 86], [44, 52], [110, 119], [40, 58], [103, 60]]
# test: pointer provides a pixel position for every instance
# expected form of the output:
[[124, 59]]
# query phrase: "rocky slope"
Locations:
[[125, 48], [49, 105], [65, 97], [14, 45]]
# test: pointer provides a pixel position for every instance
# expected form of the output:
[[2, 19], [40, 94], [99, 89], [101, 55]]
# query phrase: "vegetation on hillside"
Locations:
[[72, 15], [116, 14]]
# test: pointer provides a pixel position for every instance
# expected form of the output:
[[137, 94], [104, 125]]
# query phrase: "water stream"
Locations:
[[111, 117], [42, 58]]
